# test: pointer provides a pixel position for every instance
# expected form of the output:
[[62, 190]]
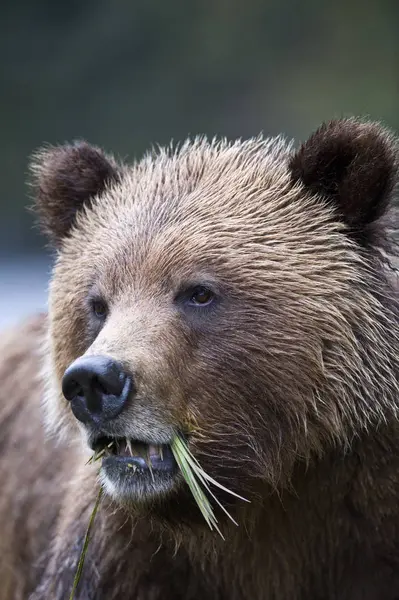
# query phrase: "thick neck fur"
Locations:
[[294, 546]]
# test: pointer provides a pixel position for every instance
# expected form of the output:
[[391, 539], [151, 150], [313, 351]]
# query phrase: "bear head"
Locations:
[[234, 294]]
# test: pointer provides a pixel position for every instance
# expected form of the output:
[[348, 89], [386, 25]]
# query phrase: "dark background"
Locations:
[[125, 74]]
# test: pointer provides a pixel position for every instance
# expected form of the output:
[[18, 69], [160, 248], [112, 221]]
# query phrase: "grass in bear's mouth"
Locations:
[[198, 481], [196, 478]]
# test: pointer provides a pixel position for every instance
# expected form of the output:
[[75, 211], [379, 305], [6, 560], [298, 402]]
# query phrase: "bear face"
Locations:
[[238, 286]]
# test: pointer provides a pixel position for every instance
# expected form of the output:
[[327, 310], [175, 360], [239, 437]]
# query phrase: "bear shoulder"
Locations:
[[30, 465]]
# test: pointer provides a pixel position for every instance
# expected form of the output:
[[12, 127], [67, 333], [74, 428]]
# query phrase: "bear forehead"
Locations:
[[206, 209], [219, 194]]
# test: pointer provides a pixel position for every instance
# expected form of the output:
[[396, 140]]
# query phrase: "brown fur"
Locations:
[[291, 378]]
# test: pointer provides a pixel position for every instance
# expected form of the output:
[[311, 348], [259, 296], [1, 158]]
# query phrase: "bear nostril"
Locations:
[[71, 388]]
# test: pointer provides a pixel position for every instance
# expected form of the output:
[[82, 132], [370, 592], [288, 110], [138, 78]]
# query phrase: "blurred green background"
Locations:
[[125, 74]]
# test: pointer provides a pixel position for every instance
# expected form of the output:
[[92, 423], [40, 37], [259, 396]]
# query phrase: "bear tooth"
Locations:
[[153, 450], [129, 446]]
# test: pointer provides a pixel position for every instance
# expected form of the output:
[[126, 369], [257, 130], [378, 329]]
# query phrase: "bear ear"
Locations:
[[354, 165], [66, 178]]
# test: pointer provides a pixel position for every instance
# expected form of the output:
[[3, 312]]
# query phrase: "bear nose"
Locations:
[[97, 388]]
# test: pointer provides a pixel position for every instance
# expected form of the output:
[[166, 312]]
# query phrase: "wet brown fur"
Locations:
[[291, 380]]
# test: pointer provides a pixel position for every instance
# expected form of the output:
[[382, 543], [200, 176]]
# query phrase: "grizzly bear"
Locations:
[[241, 295]]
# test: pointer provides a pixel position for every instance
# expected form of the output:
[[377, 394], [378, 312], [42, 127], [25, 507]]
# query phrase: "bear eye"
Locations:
[[201, 296], [99, 308]]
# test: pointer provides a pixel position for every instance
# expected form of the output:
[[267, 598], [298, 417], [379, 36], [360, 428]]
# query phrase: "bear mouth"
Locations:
[[133, 469], [137, 454]]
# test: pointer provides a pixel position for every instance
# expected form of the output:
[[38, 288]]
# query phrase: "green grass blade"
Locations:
[[200, 498], [82, 556], [180, 452], [195, 476], [196, 465]]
